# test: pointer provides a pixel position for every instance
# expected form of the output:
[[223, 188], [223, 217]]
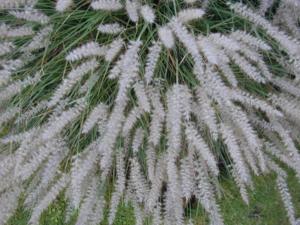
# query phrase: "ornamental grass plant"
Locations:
[[131, 98]]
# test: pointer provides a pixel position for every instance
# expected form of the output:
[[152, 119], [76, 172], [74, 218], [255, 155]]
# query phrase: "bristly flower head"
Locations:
[[141, 91]]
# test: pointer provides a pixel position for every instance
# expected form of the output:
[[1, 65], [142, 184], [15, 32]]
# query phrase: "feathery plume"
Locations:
[[110, 28], [206, 112], [285, 41], [31, 15], [250, 40], [72, 78], [203, 192], [235, 153], [137, 141], [17, 87], [152, 60], [87, 50], [107, 5], [88, 203], [82, 168], [7, 31], [8, 114], [48, 199], [286, 198], [56, 125], [147, 13], [6, 47], [132, 8], [40, 40], [98, 113], [138, 181], [158, 118], [186, 38], [166, 36], [98, 211], [131, 120], [119, 186], [10, 200], [29, 114], [196, 141], [187, 15], [143, 100], [114, 49], [9, 4], [187, 177], [129, 72], [63, 5]]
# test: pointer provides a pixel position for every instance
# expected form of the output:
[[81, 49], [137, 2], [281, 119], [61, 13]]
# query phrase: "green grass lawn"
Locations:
[[265, 206]]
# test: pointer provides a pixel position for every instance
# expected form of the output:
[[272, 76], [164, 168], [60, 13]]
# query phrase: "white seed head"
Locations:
[[166, 36], [147, 13], [63, 5]]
